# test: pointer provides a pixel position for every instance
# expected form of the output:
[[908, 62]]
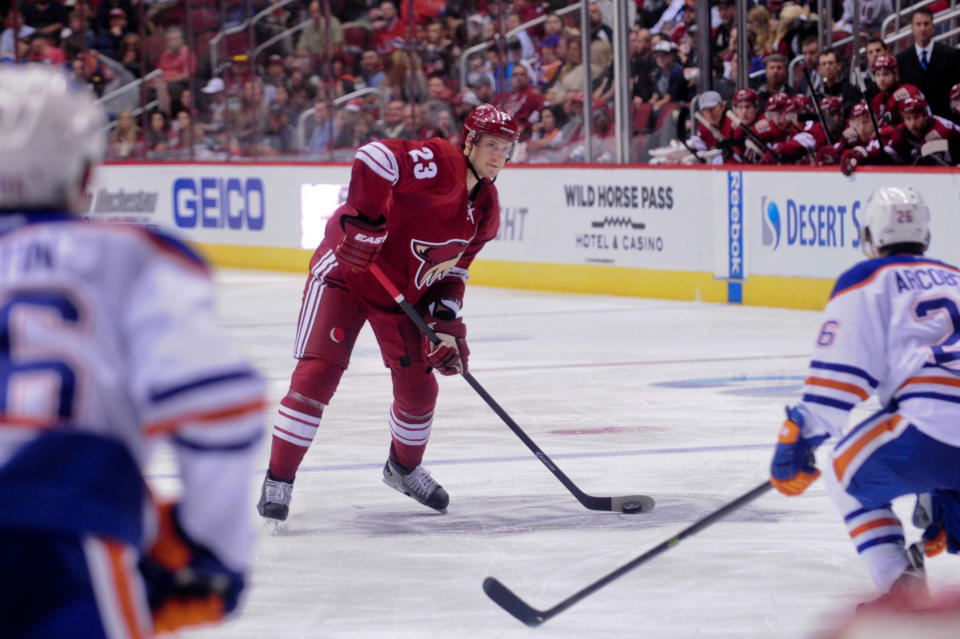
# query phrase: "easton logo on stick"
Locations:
[[436, 259]]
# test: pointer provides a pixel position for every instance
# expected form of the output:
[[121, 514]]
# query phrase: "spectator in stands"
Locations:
[[546, 142], [760, 35], [722, 84], [438, 52], [78, 32], [835, 82], [404, 77], [125, 138], [522, 38], [572, 131], [552, 26], [46, 17], [393, 121], [313, 38], [810, 49], [598, 30], [523, 102], [872, 14], [371, 69], [789, 33], [276, 77], [177, 63], [642, 64], [483, 90], [277, 138], [109, 40], [390, 30], [446, 127], [528, 10], [668, 83], [7, 40], [930, 66], [955, 104], [572, 56], [723, 34], [130, 54], [158, 134], [216, 108], [41, 50], [774, 79], [875, 47], [103, 9], [321, 131], [182, 135]]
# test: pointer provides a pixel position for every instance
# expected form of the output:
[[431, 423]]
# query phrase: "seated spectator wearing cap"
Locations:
[[890, 91], [774, 79], [667, 79], [108, 42], [215, 111]]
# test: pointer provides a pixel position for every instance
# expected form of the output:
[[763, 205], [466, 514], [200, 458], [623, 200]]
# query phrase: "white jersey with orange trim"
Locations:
[[891, 328], [108, 332]]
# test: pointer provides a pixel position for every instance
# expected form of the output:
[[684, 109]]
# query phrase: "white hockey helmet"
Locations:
[[51, 131], [894, 215]]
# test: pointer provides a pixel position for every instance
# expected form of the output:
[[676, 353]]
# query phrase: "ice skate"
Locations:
[[417, 484], [909, 589], [275, 496]]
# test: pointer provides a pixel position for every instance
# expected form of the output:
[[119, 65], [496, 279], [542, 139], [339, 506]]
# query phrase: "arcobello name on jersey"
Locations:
[[619, 197], [922, 279]]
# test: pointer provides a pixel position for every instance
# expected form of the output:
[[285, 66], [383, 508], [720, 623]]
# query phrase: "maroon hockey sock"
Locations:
[[408, 456], [293, 432]]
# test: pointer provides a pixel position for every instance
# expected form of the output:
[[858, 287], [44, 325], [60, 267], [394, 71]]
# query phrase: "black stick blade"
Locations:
[[504, 597]]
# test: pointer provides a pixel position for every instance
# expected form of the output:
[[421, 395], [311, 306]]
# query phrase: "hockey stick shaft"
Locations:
[[506, 599], [616, 504], [816, 105]]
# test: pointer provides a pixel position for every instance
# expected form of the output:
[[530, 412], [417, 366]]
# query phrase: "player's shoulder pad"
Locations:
[[863, 273], [762, 125], [174, 248]]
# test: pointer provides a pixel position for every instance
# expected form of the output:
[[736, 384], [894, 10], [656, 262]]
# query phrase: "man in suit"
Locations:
[[931, 67]]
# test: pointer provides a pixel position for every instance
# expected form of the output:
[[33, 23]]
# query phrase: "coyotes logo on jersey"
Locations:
[[436, 260]]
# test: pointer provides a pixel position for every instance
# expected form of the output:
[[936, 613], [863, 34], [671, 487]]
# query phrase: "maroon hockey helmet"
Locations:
[[746, 95], [800, 104], [860, 110], [913, 105], [955, 92], [778, 102], [831, 104], [490, 120], [884, 61]]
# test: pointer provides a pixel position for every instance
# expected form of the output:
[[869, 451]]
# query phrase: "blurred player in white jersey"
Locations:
[[891, 328], [108, 344]]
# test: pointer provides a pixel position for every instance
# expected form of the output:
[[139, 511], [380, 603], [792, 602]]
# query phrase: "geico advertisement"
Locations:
[[808, 224], [614, 216], [216, 204]]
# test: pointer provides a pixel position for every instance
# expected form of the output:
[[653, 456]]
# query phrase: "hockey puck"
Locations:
[[635, 505]]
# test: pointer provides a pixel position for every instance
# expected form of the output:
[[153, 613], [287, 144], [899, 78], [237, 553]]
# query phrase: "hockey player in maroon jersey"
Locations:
[[919, 127], [861, 141], [890, 90], [746, 107], [421, 211], [770, 128], [813, 136]]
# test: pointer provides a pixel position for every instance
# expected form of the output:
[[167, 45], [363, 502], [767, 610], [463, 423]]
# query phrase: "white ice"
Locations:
[[582, 375]]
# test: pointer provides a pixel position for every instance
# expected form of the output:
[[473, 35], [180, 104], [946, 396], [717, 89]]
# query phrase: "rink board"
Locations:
[[750, 235]]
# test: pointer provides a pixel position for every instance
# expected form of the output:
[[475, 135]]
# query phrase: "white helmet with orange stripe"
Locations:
[[894, 215]]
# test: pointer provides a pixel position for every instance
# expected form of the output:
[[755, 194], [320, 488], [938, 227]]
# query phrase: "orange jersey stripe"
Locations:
[[840, 463], [853, 389], [124, 589], [945, 381], [170, 425], [877, 523]]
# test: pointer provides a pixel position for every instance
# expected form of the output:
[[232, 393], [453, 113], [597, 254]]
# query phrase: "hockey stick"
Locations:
[[816, 105], [630, 504], [682, 117], [506, 599]]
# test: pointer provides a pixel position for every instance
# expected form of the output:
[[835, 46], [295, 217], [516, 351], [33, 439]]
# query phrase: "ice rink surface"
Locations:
[[678, 400]]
